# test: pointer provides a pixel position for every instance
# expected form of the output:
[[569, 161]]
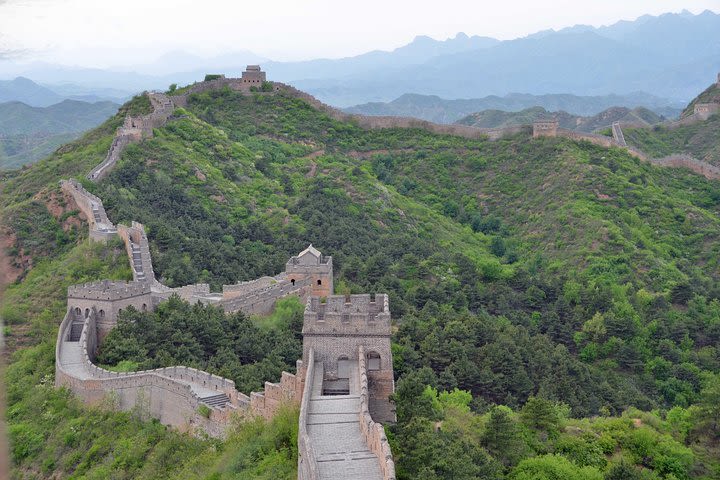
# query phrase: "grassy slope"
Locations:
[[699, 140]]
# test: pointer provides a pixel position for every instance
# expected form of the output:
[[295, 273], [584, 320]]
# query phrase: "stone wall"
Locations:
[[101, 228], [288, 390], [373, 433], [262, 301], [686, 161], [138, 250], [308, 468], [133, 130], [164, 393], [382, 122], [243, 288]]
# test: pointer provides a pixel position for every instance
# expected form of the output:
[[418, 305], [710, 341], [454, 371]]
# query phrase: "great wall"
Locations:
[[345, 377]]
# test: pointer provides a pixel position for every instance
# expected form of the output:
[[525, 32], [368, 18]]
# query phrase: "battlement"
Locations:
[[352, 315], [108, 290]]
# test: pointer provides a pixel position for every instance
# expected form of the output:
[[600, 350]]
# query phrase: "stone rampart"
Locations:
[[308, 468], [686, 161], [618, 134], [372, 432], [138, 250], [288, 390], [383, 122], [243, 288], [101, 228], [168, 394], [107, 290], [261, 301], [133, 130]]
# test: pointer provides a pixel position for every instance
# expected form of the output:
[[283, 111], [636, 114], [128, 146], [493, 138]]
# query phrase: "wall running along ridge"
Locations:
[[133, 130], [465, 131]]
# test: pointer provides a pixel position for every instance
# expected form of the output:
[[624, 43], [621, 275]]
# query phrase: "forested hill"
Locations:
[[555, 302]]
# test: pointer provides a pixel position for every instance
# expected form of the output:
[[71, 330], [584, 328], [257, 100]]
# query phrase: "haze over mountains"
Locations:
[[671, 56], [439, 110]]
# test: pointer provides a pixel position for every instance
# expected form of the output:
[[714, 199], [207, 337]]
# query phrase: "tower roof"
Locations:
[[312, 250]]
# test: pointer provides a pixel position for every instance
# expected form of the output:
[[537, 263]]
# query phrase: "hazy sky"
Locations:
[[103, 33]]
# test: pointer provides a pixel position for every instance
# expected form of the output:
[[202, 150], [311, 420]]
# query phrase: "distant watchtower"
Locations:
[[313, 265], [336, 329], [253, 76], [546, 127]]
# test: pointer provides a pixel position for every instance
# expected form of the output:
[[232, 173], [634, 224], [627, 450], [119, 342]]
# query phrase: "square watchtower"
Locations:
[[253, 76], [312, 266], [336, 328]]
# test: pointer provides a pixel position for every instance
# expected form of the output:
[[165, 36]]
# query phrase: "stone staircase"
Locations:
[[618, 134], [137, 262], [75, 332], [216, 401]]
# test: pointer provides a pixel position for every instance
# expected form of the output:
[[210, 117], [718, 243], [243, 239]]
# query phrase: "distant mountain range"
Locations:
[[28, 134], [639, 117], [671, 56], [24, 90], [439, 110]]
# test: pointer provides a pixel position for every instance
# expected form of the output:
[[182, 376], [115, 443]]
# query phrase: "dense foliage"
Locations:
[[203, 337], [533, 282]]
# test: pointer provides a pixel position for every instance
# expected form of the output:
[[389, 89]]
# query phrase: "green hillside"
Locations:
[[710, 94], [556, 303], [497, 118], [699, 140]]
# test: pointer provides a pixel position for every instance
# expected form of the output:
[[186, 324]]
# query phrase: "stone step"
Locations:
[[75, 332], [216, 400]]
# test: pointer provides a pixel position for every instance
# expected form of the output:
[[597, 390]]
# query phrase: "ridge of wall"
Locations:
[[372, 432], [687, 161], [133, 130], [465, 131]]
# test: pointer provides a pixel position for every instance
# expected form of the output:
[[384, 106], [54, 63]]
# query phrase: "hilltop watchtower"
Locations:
[[253, 75], [336, 329], [313, 265], [546, 127]]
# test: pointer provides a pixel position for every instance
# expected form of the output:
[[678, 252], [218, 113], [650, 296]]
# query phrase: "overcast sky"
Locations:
[[102, 33]]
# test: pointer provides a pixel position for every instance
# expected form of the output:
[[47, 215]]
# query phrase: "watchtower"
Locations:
[[705, 110], [312, 265], [335, 329], [108, 298], [253, 75], [546, 127]]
